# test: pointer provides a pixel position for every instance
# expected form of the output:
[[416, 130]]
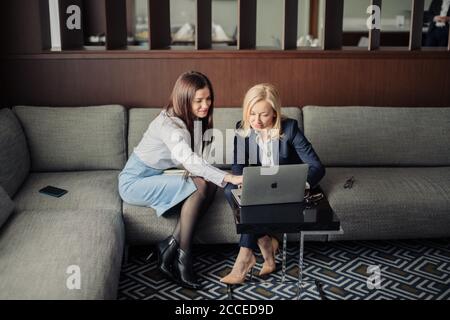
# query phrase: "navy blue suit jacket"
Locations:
[[294, 148]]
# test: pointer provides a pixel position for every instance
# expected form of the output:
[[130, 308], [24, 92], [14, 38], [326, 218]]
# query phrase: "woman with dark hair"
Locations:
[[172, 139]]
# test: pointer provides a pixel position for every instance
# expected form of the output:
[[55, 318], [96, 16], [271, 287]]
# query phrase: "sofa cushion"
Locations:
[[376, 136], [38, 247], [216, 227], [139, 120], [224, 118], [86, 190], [69, 139], [14, 155], [389, 203], [6, 206], [143, 227]]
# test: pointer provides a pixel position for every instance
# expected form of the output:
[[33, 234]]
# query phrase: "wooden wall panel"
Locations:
[[146, 82]]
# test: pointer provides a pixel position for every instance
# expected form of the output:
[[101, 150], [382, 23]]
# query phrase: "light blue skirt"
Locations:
[[144, 186]]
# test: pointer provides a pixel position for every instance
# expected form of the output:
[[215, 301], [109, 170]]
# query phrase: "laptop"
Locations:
[[287, 185]]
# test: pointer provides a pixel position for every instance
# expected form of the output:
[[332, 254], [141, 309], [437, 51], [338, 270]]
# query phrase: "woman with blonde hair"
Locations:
[[264, 128]]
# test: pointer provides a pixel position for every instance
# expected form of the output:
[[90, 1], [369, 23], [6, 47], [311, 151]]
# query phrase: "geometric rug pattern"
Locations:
[[408, 270]]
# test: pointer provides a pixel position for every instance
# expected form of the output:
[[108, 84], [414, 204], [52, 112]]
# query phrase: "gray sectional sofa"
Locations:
[[399, 158]]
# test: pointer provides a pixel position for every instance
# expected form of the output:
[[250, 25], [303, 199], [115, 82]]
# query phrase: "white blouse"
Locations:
[[444, 9], [266, 154], [166, 144]]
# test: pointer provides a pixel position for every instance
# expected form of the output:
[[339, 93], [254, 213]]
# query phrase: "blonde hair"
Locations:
[[261, 92]]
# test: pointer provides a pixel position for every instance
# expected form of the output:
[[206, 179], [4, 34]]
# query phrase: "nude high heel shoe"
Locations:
[[239, 279], [266, 269]]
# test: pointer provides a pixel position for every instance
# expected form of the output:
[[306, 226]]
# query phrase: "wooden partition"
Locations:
[[116, 24], [379, 78], [246, 24], [374, 34], [159, 24], [24, 26], [334, 15], [415, 35], [290, 23], [116, 19], [203, 32]]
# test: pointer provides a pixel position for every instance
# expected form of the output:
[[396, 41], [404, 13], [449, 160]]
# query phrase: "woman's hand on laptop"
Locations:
[[236, 180]]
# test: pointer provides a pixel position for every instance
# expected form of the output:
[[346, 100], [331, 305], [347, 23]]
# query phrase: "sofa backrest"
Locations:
[[224, 118], [379, 136], [71, 139], [14, 155]]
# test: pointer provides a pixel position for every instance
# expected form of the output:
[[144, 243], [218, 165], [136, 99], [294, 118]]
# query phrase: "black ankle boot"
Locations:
[[183, 270], [167, 250]]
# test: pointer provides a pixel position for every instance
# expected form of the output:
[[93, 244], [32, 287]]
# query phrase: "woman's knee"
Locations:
[[228, 194], [202, 186]]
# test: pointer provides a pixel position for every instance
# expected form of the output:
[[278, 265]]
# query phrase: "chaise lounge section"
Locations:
[[80, 150]]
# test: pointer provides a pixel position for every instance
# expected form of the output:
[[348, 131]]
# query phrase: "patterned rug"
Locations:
[[349, 270]]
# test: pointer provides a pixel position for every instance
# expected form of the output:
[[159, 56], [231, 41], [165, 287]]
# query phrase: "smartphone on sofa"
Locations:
[[53, 191]]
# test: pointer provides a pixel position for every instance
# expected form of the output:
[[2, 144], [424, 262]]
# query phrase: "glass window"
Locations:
[[355, 31], [269, 23], [308, 34], [182, 22], [224, 22], [141, 23]]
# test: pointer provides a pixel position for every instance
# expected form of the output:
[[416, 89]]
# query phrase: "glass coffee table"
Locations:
[[302, 218]]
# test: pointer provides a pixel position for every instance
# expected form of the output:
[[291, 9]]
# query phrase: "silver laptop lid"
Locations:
[[285, 185]]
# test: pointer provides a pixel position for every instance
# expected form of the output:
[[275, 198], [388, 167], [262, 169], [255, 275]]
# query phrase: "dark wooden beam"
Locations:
[[44, 13], [203, 35], [290, 24], [159, 24], [94, 19], [24, 26], [116, 24], [246, 24], [70, 38], [415, 34], [334, 14], [374, 34]]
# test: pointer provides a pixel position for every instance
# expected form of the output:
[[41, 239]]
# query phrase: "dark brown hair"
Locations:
[[182, 97]]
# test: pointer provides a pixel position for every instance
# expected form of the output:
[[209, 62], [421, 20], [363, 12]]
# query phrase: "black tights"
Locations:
[[192, 209]]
